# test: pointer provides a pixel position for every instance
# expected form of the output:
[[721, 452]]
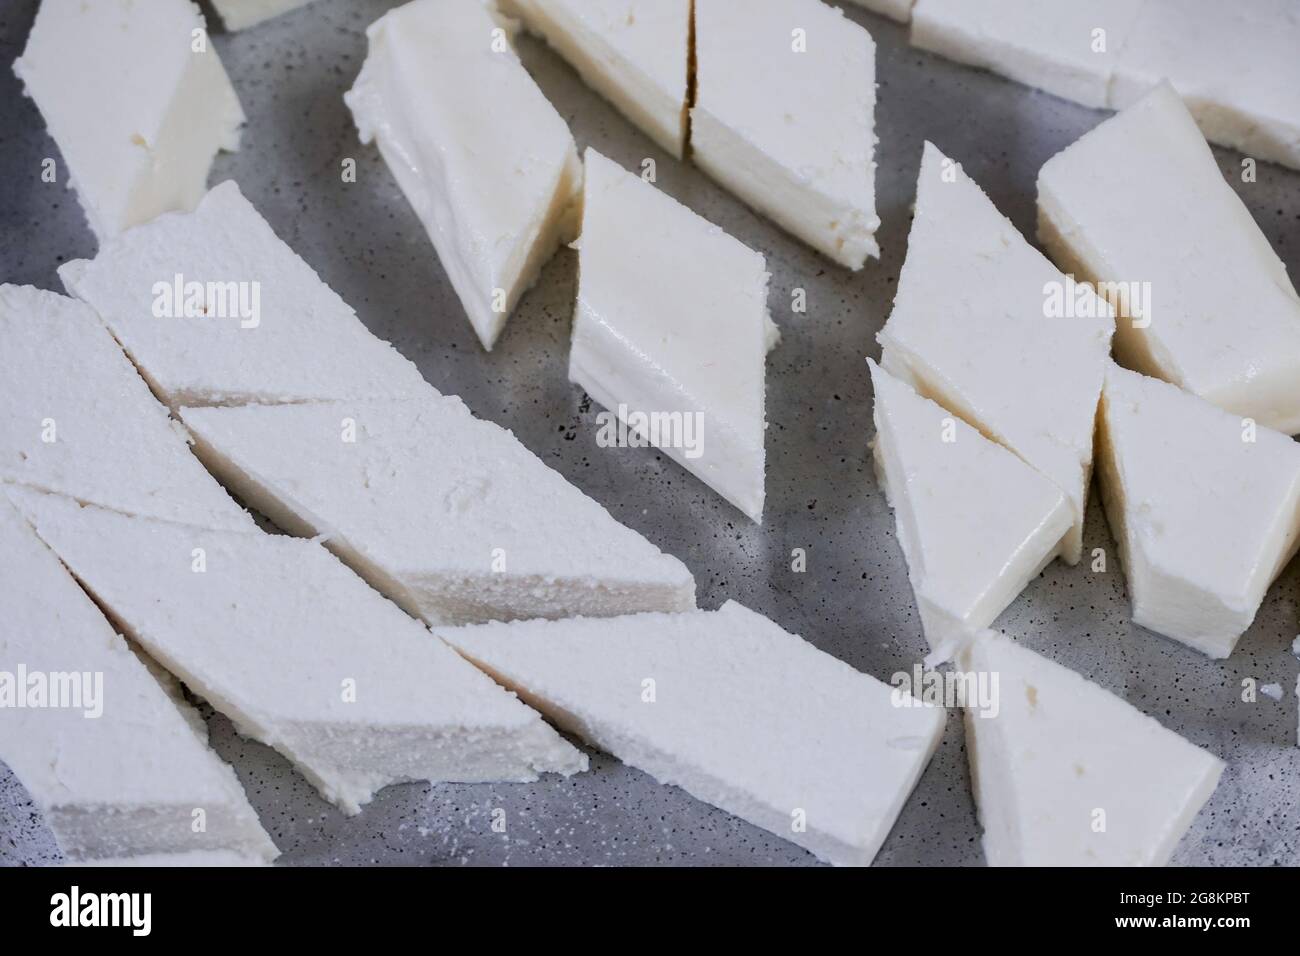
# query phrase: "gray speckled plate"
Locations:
[[854, 600]]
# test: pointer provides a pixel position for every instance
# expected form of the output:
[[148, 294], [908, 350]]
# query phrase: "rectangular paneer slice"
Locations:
[[984, 325], [136, 99], [1067, 774], [731, 708], [784, 117], [976, 524], [215, 310], [1223, 318], [108, 758], [484, 159], [1237, 66], [78, 419], [1205, 507], [686, 372], [1067, 48], [448, 515], [635, 53], [300, 654], [242, 14]]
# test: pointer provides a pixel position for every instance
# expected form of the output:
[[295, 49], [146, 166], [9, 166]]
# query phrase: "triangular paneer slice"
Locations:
[[448, 515], [731, 708], [685, 373], [784, 117], [80, 421], [984, 325], [635, 53], [108, 758], [483, 157], [150, 106], [300, 653], [1067, 774], [215, 310], [1205, 506], [975, 523], [1214, 312]]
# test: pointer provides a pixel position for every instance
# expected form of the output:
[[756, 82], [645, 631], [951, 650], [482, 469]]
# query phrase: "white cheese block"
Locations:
[[731, 708], [136, 99], [784, 117], [485, 161], [448, 515], [1236, 64], [900, 10], [976, 524], [1068, 48], [241, 14], [273, 332], [123, 773], [1223, 318], [80, 421], [685, 371], [635, 53], [1205, 507], [973, 329], [300, 654], [1067, 774]]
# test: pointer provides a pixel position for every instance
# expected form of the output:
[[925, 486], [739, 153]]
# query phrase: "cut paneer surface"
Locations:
[[975, 522], [106, 755], [984, 325], [300, 654], [136, 99], [1209, 306], [448, 515], [1236, 64], [1205, 507], [1067, 48], [731, 708], [242, 14], [635, 53], [687, 371], [215, 310], [80, 421], [485, 161], [784, 117], [1067, 774]]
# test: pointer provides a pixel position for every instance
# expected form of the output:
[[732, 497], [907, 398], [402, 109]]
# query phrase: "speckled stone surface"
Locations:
[[853, 601]]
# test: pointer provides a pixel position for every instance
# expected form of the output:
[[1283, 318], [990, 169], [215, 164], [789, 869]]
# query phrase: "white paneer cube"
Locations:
[[984, 325], [1068, 48], [136, 99], [484, 159], [111, 761], [214, 309], [784, 117], [1205, 302], [731, 708], [684, 371], [976, 524], [1205, 507], [448, 515], [635, 53], [1067, 774], [1237, 66], [300, 654]]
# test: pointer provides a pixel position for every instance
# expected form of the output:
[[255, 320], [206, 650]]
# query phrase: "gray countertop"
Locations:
[[853, 601]]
